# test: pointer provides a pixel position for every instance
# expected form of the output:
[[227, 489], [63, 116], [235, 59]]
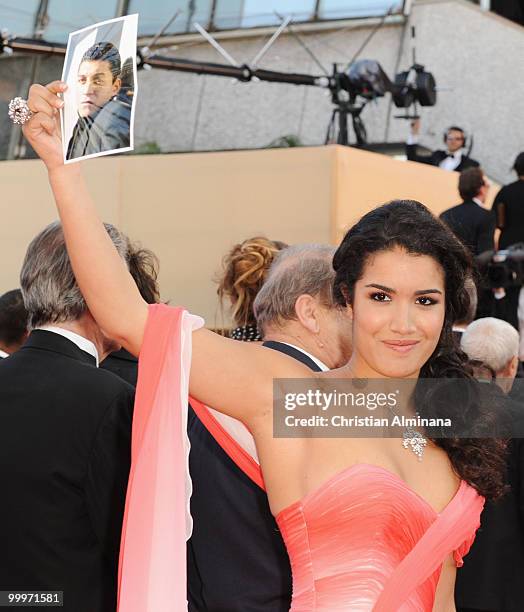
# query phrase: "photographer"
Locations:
[[453, 158]]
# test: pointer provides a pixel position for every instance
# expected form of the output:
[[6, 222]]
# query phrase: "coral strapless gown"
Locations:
[[365, 541], [361, 541]]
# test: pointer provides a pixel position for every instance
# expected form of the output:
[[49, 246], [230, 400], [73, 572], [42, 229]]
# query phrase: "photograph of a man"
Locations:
[[103, 116], [100, 70]]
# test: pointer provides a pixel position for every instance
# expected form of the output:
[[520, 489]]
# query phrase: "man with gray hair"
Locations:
[[296, 314], [493, 343], [295, 307], [65, 429]]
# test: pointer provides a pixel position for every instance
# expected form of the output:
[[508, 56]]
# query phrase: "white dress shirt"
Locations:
[[3, 354], [452, 161], [83, 343]]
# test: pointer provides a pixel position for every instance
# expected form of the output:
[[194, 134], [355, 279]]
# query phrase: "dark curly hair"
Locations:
[[408, 224], [143, 266], [13, 318]]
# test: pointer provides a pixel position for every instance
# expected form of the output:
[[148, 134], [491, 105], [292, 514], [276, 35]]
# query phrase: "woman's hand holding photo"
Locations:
[[42, 131]]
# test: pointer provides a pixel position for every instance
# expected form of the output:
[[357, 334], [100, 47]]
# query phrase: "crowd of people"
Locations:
[[279, 523]]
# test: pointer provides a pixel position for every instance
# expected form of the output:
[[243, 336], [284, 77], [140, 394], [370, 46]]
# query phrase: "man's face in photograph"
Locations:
[[95, 86]]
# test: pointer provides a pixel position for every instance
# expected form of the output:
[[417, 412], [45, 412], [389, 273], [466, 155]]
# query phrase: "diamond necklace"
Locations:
[[412, 439]]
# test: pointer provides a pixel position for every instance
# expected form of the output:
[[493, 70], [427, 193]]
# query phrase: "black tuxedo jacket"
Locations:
[[474, 226], [123, 364], [65, 429], [438, 156], [237, 561]]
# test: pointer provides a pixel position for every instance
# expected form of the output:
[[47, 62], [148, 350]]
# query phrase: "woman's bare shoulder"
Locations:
[[225, 372]]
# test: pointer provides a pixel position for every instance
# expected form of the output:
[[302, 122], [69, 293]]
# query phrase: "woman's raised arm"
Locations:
[[231, 376], [107, 286]]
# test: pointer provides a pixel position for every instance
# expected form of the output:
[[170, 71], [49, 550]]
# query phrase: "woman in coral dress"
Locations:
[[367, 524]]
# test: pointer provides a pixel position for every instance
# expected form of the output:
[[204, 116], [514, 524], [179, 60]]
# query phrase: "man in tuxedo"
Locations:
[[13, 322], [65, 429], [237, 560], [491, 578], [473, 225], [453, 158]]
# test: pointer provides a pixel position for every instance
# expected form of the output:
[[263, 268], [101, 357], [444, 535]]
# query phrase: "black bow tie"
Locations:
[[452, 155]]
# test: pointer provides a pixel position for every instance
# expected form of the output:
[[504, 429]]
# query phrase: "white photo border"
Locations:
[[132, 19]]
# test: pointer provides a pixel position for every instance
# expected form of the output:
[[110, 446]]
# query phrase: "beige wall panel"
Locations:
[[27, 206], [365, 180], [192, 208], [189, 209]]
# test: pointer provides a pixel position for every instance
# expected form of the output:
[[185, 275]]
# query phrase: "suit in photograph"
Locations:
[[65, 429]]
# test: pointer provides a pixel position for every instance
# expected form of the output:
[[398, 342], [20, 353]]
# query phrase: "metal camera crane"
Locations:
[[351, 87]]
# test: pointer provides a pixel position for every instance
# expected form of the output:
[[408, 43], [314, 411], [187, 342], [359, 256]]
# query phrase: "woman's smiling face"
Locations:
[[398, 311]]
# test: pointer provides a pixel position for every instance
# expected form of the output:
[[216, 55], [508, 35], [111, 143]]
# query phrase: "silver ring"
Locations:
[[19, 112]]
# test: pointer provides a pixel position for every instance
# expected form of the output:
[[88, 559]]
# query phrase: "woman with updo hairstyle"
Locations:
[[244, 270], [371, 523]]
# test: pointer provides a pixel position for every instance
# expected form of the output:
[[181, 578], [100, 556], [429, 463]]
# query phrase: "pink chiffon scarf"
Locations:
[[157, 523]]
